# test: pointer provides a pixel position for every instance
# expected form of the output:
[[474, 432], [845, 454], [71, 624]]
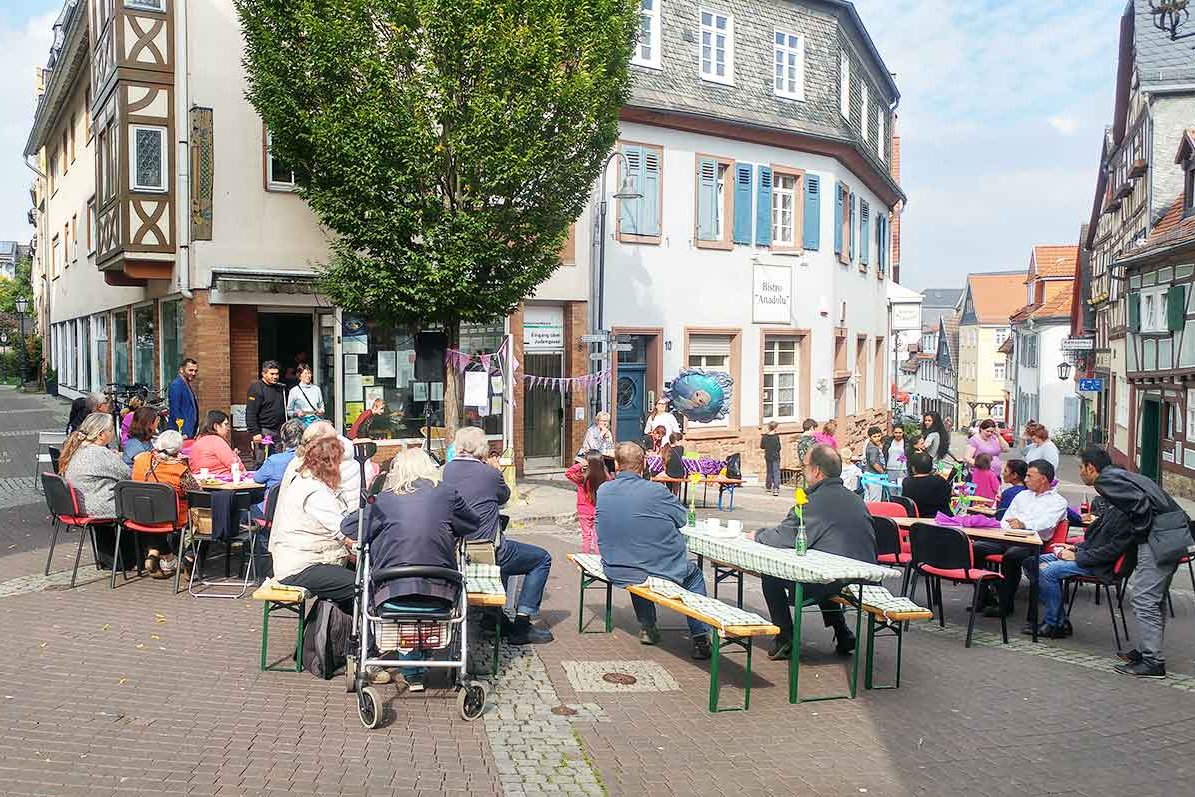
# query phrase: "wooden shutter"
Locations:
[[838, 219], [813, 211], [649, 216], [864, 230], [1134, 302], [630, 211], [763, 208], [1176, 308], [203, 170], [850, 215], [707, 199], [742, 203]]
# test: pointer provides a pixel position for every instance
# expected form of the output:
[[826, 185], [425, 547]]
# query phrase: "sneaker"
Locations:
[[522, 632], [1142, 669], [1131, 656], [845, 644], [782, 649], [701, 648], [378, 676], [414, 683], [649, 635], [1047, 631]]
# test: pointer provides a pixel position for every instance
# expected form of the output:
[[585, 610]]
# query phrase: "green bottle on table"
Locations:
[[802, 540], [692, 517]]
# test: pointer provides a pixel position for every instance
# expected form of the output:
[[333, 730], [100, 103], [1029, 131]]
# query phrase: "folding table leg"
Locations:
[[794, 660], [609, 608], [869, 665], [299, 637], [265, 632]]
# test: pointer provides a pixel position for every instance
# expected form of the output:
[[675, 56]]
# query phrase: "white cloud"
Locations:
[[1066, 125], [986, 179], [26, 45]]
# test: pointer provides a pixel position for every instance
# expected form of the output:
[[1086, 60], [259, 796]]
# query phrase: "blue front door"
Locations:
[[629, 397]]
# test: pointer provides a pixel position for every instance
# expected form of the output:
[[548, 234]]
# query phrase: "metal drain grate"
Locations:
[[564, 711], [619, 678]]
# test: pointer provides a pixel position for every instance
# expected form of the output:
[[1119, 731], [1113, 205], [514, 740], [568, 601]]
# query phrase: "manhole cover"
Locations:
[[563, 711], [620, 678]]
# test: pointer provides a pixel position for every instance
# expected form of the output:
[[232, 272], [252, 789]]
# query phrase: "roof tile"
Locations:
[[997, 296]]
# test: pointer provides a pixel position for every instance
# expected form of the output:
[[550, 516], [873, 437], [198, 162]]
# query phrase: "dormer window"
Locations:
[[1189, 186]]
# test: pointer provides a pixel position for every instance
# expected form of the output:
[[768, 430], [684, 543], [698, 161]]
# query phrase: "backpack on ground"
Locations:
[[325, 639]]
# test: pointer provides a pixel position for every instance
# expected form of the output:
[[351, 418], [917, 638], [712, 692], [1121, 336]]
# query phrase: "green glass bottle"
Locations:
[[692, 517]]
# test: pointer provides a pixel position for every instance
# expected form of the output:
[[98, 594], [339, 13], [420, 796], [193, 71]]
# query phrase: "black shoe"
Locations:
[[782, 649], [701, 648], [1132, 656], [1066, 628], [994, 610], [522, 632], [649, 635], [1142, 669], [845, 644], [1046, 631]]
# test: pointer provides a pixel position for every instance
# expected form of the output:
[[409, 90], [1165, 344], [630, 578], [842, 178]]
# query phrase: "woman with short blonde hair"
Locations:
[[410, 466]]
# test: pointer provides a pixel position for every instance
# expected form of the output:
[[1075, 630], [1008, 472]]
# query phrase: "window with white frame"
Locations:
[[280, 176], [1153, 310], [1122, 403], [781, 360], [91, 227], [998, 371], [784, 203], [1191, 415], [711, 352], [99, 331], [147, 158], [717, 46], [880, 129], [647, 49], [1001, 336], [844, 86], [863, 112], [146, 5], [789, 63]]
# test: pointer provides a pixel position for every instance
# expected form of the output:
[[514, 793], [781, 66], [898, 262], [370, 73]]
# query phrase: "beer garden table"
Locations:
[[814, 567]]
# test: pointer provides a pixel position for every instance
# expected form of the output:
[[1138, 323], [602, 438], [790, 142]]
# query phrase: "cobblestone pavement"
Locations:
[[135, 690]]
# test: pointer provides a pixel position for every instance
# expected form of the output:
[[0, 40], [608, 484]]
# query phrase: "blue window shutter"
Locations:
[[851, 250], [813, 211], [742, 203], [864, 230], [838, 218], [881, 221], [630, 210], [707, 199], [763, 208], [648, 183]]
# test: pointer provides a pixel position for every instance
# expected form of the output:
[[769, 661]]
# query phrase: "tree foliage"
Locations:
[[448, 144], [17, 286]]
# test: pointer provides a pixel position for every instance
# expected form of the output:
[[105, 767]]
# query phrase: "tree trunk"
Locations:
[[452, 385]]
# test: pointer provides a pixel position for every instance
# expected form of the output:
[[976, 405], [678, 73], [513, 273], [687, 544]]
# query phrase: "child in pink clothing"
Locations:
[[987, 483], [588, 476]]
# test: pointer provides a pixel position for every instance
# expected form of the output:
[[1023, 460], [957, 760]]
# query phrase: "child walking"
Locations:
[[770, 443], [897, 458], [987, 483], [875, 464], [588, 476]]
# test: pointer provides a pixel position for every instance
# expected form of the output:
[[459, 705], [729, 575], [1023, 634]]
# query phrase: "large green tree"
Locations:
[[448, 144]]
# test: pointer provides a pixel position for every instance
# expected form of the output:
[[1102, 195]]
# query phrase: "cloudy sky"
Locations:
[[1003, 104]]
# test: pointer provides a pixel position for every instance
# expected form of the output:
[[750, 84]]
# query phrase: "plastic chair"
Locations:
[[1058, 537], [146, 508], [62, 499], [892, 546], [1120, 575], [908, 503], [887, 509], [942, 552]]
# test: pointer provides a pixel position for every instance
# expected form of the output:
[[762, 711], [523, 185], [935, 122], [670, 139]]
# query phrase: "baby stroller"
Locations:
[[397, 627]]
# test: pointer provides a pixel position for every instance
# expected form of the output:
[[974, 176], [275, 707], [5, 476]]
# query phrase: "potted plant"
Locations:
[[51, 381]]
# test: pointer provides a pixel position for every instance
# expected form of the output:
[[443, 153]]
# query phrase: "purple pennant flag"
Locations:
[[485, 362]]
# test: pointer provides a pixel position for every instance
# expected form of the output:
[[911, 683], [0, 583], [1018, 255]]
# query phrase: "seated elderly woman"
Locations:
[[164, 465], [141, 431], [416, 520], [211, 449], [94, 469], [274, 468], [306, 543], [475, 475], [349, 487], [84, 406], [598, 438]]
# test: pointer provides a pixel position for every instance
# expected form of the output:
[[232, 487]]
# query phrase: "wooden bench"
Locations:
[[886, 615], [592, 577], [277, 599], [483, 581], [728, 624]]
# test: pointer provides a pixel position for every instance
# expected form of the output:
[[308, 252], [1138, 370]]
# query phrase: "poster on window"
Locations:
[[703, 396], [354, 335], [771, 295]]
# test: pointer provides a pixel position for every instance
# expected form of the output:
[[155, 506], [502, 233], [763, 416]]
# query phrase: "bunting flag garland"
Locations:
[[504, 363], [562, 384]]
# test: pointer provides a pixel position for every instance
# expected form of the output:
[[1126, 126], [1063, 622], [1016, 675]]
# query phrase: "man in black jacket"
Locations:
[[1147, 506], [1106, 539], [265, 410], [837, 522]]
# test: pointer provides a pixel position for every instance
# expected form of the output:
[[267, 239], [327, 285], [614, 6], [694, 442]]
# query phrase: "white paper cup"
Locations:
[[735, 526], [204, 474], [713, 524]]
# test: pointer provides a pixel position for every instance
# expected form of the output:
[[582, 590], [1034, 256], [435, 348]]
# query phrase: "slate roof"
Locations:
[[1160, 60], [941, 297]]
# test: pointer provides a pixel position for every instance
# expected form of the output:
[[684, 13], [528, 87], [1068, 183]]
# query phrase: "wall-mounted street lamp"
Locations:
[[1064, 370], [1169, 16]]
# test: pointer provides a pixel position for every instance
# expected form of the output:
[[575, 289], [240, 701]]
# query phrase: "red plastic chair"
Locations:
[[146, 508], [62, 499], [943, 552], [1061, 532], [892, 546], [886, 509], [1120, 575]]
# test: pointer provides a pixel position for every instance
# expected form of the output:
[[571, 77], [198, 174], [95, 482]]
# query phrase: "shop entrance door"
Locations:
[[543, 413], [1149, 448], [287, 338]]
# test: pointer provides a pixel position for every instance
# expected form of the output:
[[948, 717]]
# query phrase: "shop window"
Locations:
[[99, 326], [172, 338], [143, 344], [120, 347]]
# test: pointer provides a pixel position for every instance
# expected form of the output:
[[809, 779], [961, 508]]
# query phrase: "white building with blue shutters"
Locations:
[[760, 137]]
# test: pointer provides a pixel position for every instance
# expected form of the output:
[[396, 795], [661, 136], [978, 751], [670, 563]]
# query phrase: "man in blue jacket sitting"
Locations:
[[638, 529], [181, 397]]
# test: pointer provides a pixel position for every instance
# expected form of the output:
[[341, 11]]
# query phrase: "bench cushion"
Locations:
[[484, 579], [709, 610], [878, 600], [591, 563], [271, 590]]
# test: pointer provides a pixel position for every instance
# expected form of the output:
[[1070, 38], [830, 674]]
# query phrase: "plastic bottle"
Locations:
[[802, 540], [236, 472], [692, 517]]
